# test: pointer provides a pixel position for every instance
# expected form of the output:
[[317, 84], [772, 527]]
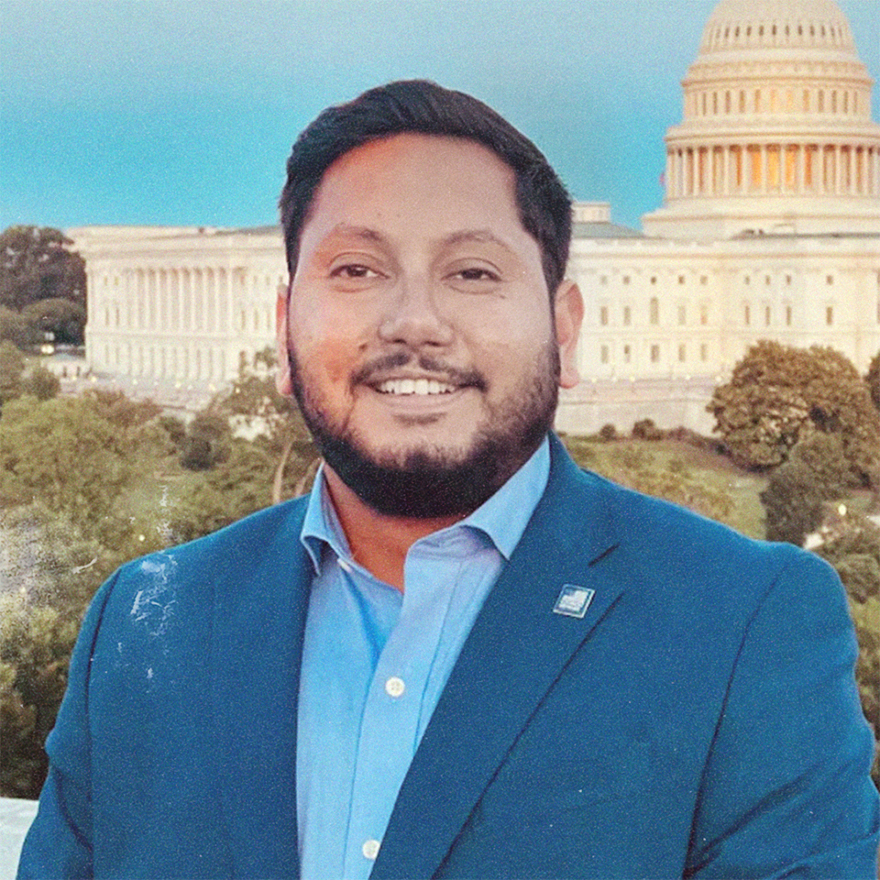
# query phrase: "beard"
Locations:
[[427, 483]]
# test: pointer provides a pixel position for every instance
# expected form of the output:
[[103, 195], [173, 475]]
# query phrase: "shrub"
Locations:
[[645, 429]]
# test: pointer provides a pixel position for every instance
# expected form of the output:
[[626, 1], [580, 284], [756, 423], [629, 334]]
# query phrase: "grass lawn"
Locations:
[[690, 471]]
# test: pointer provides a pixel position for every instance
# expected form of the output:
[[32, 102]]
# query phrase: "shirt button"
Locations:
[[370, 849], [395, 687]]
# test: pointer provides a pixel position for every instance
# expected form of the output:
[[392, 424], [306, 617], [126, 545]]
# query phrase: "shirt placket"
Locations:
[[390, 721]]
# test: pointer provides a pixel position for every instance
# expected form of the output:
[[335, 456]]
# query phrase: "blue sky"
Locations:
[[182, 112]]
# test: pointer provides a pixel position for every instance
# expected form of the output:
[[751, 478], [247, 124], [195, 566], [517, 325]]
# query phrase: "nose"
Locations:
[[414, 319]]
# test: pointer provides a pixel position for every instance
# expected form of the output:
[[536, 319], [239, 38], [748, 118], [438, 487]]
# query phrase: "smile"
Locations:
[[418, 387]]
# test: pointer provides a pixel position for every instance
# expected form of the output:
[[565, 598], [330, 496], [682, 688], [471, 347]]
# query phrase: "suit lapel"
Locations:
[[516, 650], [260, 608]]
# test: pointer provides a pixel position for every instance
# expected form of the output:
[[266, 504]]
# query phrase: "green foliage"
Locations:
[[793, 503], [11, 370], [122, 412], [631, 464], [17, 329], [872, 380], [206, 442], [645, 429], [64, 319], [238, 486], [36, 264], [817, 471], [854, 550], [607, 433], [35, 646], [779, 395], [41, 383]]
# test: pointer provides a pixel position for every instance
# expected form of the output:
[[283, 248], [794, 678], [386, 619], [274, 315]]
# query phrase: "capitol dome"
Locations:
[[776, 134], [778, 25]]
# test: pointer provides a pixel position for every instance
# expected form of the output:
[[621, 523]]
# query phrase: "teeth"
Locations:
[[420, 387]]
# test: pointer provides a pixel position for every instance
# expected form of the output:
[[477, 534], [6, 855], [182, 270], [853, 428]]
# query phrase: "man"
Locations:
[[460, 656]]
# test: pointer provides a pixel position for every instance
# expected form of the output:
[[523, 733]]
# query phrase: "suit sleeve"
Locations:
[[59, 842], [786, 790]]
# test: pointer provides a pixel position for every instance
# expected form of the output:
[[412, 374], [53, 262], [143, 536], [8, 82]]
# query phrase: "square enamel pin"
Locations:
[[573, 601]]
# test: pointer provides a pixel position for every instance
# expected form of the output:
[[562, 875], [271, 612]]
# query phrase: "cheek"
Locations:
[[327, 352]]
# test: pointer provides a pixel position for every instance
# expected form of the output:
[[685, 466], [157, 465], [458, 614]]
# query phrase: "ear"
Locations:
[[569, 313], [282, 373]]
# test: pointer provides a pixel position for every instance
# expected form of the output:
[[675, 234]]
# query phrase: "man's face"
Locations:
[[421, 344]]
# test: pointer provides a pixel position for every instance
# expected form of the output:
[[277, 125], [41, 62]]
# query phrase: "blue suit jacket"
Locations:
[[700, 720]]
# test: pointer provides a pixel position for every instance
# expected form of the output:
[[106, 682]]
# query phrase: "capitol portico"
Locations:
[[770, 228]]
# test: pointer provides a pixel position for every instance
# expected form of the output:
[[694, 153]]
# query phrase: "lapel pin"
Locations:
[[573, 601]]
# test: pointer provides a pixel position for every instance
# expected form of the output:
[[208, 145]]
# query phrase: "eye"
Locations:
[[353, 271], [476, 273]]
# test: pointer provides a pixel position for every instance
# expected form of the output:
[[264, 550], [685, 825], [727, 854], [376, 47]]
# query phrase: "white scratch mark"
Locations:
[[78, 568], [153, 605]]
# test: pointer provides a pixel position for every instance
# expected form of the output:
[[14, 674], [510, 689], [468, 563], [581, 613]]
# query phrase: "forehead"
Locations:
[[444, 183]]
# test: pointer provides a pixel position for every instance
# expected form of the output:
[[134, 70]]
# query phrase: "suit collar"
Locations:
[[516, 650]]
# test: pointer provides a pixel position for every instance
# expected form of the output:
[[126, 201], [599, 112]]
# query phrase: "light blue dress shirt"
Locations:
[[375, 661]]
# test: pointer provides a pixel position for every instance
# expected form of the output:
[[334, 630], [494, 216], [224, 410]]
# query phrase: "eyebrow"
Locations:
[[463, 236]]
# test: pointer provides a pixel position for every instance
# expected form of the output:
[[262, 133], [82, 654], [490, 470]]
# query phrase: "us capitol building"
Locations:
[[770, 228]]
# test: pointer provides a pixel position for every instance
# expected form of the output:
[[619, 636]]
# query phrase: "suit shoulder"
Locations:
[[226, 558], [244, 536], [654, 528]]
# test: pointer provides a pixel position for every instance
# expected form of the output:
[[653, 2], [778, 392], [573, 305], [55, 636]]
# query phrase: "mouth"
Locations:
[[415, 387]]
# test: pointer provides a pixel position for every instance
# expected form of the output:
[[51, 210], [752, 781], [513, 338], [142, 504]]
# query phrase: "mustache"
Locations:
[[377, 368]]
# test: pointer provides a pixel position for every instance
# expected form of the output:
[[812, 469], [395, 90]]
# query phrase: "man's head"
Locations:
[[421, 107], [417, 334]]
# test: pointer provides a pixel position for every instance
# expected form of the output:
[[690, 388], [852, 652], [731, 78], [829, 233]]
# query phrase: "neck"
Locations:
[[378, 542]]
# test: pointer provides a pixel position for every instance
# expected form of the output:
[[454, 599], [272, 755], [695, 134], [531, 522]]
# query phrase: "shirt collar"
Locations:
[[502, 518]]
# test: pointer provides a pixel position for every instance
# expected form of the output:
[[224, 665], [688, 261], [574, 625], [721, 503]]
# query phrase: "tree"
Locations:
[[64, 319], [36, 264], [779, 395], [816, 472], [872, 380], [254, 407], [206, 442], [17, 329], [41, 383], [11, 370], [854, 550]]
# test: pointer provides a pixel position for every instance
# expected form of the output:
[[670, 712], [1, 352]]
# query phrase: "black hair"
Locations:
[[423, 107]]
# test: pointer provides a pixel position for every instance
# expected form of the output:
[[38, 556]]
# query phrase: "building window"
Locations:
[[704, 314], [704, 351], [829, 280], [788, 280], [681, 279], [788, 315], [682, 314], [626, 279], [603, 279], [767, 280], [747, 315], [746, 280], [604, 354], [627, 316], [682, 353], [704, 279], [829, 315], [653, 279], [655, 353], [627, 354], [766, 316], [603, 316], [654, 310]]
